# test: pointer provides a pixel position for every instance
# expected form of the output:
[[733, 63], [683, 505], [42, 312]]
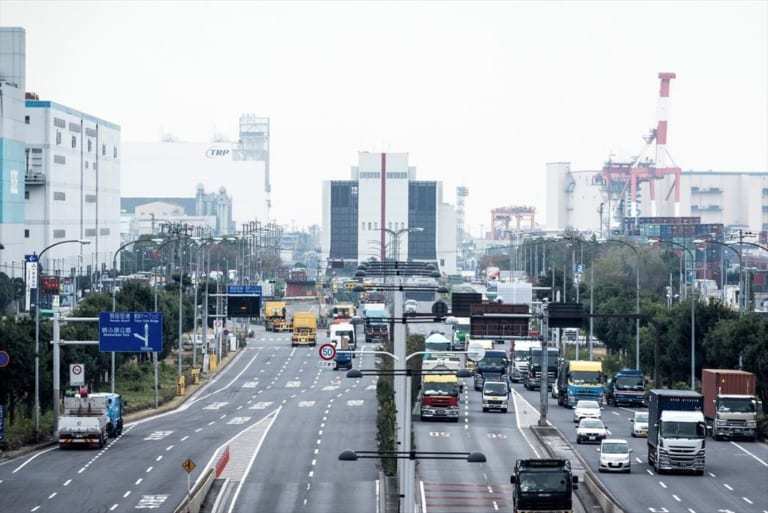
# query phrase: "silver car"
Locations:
[[639, 423]]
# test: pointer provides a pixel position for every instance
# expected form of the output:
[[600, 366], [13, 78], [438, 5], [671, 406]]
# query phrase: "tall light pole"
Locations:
[[82, 242], [693, 311]]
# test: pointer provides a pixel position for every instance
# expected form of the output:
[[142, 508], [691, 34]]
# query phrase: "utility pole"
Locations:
[[543, 400]]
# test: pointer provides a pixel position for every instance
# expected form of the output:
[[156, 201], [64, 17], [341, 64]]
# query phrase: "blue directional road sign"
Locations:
[[5, 359], [130, 332], [244, 290]]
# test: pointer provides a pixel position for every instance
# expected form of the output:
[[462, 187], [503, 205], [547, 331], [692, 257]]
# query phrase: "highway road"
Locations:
[[736, 478], [307, 413]]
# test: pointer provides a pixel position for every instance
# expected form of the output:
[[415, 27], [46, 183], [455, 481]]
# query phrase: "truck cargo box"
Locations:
[[716, 382]]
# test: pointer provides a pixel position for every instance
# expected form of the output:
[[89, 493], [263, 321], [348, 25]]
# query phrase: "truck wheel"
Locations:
[[700, 472], [485, 410]]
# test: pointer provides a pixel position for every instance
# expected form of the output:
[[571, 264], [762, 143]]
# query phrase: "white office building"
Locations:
[[353, 217], [61, 176], [578, 199]]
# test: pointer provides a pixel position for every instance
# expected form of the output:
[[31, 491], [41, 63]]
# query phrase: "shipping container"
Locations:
[[724, 382]]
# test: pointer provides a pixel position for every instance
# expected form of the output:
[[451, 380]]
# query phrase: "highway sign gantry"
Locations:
[[131, 332], [327, 352]]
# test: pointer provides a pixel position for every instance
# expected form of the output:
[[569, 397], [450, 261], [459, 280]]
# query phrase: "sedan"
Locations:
[[591, 430], [586, 409]]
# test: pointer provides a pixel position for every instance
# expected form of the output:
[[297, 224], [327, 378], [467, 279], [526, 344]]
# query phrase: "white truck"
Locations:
[[519, 358], [83, 422]]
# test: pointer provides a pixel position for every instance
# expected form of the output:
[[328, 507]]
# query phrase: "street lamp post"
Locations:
[[82, 242]]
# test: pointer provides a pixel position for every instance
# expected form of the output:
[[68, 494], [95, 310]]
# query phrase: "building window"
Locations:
[[59, 196], [90, 232], [104, 231], [59, 123], [26, 120], [74, 127], [114, 152], [375, 225], [90, 146], [103, 150], [59, 234], [389, 224], [58, 137], [26, 194], [26, 233], [86, 164], [90, 198], [74, 141], [95, 166], [59, 159], [362, 225], [369, 226]]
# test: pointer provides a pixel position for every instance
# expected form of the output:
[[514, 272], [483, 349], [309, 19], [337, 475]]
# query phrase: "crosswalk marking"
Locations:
[[355, 402], [250, 384], [293, 384], [329, 388], [261, 405], [439, 434], [306, 404]]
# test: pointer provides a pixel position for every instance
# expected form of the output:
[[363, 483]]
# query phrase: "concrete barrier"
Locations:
[[192, 502]]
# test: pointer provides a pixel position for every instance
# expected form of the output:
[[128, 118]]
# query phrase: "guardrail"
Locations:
[[192, 502]]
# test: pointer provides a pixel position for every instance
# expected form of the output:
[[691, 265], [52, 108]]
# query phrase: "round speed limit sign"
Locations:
[[327, 352]]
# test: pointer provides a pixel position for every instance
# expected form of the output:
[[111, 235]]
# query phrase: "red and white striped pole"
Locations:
[[662, 126]]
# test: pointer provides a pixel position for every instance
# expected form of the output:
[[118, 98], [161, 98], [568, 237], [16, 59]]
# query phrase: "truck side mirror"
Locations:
[[512, 479], [575, 480]]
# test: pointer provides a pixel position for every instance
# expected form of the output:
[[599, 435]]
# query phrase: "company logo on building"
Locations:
[[218, 152]]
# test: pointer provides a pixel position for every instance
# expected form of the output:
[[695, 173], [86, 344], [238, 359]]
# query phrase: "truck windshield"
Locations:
[[683, 429], [585, 377], [629, 382], [736, 405], [495, 389], [536, 482], [493, 362], [441, 389]]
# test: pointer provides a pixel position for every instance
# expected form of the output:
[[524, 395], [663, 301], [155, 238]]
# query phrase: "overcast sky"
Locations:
[[478, 94]]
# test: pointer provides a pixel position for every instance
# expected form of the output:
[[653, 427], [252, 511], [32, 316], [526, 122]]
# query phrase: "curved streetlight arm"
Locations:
[[69, 241]]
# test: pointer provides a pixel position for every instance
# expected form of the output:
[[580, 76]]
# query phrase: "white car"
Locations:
[[640, 423], [615, 456], [586, 409], [591, 430]]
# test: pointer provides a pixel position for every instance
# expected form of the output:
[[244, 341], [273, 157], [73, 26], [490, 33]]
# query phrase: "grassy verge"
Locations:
[[22, 431], [136, 383], [385, 415]]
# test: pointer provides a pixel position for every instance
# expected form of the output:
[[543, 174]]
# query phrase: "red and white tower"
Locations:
[[664, 164]]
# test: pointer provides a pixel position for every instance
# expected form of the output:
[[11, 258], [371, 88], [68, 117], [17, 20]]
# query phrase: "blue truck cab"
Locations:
[[114, 413], [627, 387]]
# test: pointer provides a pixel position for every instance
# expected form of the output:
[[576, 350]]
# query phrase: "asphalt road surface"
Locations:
[[313, 413]]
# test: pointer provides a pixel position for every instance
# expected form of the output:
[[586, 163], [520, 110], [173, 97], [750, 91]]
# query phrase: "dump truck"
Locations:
[[440, 397], [730, 404], [579, 379], [276, 316], [90, 419], [304, 329], [376, 326], [676, 430], [626, 388], [532, 378], [543, 485]]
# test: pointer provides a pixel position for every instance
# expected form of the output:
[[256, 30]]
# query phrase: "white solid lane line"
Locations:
[[51, 496], [728, 486], [126, 494], [29, 460], [138, 481], [66, 483], [761, 461]]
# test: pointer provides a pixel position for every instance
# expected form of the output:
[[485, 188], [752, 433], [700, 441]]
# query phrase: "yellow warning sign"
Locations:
[[188, 465]]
